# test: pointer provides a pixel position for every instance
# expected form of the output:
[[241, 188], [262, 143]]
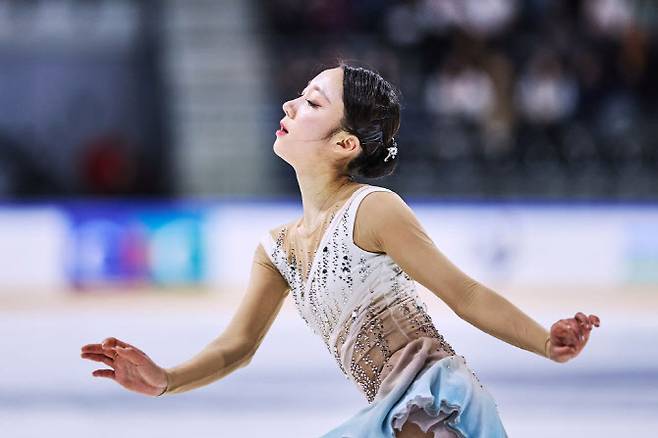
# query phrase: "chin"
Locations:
[[277, 152]]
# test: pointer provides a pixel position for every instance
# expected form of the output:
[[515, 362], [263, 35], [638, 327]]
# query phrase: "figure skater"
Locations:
[[351, 262]]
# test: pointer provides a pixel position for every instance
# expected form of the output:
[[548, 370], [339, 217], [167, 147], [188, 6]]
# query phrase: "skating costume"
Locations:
[[366, 310]]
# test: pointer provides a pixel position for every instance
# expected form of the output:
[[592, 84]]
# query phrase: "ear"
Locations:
[[349, 143]]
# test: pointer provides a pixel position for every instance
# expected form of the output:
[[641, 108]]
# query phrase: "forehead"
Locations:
[[331, 82]]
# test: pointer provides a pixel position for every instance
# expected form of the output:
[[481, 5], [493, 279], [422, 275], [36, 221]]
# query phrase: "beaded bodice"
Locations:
[[362, 304]]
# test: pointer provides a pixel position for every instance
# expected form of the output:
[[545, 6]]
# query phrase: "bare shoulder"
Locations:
[[379, 203], [279, 237], [261, 255], [378, 211], [279, 229]]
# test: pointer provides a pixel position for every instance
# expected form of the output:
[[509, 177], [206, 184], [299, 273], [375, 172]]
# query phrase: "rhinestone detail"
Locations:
[[388, 315]]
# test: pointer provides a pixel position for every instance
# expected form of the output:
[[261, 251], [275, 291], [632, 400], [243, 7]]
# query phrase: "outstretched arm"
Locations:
[[231, 350], [235, 347], [393, 228]]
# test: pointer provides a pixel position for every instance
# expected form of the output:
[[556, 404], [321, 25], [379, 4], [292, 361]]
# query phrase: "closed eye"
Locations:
[[311, 104]]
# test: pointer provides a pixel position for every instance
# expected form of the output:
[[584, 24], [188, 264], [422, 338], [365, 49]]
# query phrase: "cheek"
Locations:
[[307, 120], [320, 127], [316, 117]]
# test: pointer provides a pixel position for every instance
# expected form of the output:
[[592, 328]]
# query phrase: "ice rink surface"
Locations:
[[293, 388]]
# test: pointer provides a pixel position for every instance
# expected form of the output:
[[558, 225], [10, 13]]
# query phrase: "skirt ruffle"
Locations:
[[439, 393]]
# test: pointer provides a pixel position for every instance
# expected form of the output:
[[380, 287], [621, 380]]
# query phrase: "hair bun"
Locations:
[[372, 113]]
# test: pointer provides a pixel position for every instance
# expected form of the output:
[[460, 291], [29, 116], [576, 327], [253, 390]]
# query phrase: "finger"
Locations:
[[110, 352], [103, 373], [97, 349], [563, 351], [132, 355], [562, 326], [567, 333], [98, 358], [582, 341], [113, 342], [579, 326], [562, 354], [92, 348], [578, 329], [583, 321]]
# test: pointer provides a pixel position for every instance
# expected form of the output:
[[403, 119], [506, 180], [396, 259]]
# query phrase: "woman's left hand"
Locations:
[[569, 336]]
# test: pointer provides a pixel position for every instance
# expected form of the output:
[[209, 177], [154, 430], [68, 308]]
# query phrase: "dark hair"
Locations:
[[372, 113]]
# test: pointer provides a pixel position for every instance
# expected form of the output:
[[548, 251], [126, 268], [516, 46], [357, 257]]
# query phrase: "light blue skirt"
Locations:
[[444, 396]]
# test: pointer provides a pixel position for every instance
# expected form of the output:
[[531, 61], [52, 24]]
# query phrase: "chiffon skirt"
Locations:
[[423, 384]]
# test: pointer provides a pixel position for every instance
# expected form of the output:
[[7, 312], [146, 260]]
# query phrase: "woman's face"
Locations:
[[309, 118]]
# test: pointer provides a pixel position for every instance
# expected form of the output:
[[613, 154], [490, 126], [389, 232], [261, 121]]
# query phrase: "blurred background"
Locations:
[[137, 177]]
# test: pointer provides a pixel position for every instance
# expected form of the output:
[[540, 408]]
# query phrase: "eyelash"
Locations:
[[311, 104]]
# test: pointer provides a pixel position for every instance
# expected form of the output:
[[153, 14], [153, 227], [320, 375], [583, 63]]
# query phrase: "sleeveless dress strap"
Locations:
[[354, 206]]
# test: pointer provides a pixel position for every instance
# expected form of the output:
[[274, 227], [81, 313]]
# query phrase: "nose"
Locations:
[[288, 108]]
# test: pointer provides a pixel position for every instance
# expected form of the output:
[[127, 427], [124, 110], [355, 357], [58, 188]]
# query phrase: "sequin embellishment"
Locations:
[[362, 304]]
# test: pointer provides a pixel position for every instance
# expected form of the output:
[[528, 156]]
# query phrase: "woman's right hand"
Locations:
[[131, 367]]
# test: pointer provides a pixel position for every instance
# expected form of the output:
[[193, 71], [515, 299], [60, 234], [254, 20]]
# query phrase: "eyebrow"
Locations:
[[315, 87]]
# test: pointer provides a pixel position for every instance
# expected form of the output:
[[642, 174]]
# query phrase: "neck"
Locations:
[[319, 193]]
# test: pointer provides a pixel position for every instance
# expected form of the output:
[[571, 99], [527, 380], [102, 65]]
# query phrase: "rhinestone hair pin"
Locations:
[[392, 151]]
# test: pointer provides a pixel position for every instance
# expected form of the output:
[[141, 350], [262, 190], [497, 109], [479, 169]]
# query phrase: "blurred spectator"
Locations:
[[460, 90], [479, 17], [404, 23], [485, 17], [558, 80], [608, 17], [498, 127], [546, 93], [506, 83]]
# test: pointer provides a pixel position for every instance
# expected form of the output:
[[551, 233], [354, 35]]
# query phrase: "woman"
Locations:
[[352, 280]]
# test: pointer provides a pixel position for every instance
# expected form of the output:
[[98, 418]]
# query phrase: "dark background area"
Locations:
[[502, 99]]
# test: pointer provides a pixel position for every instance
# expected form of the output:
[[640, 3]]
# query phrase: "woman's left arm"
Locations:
[[392, 227]]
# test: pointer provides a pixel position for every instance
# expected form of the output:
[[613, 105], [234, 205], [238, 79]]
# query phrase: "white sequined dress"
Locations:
[[367, 311]]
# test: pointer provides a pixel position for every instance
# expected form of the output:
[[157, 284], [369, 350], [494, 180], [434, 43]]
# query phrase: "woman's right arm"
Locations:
[[231, 350], [235, 347]]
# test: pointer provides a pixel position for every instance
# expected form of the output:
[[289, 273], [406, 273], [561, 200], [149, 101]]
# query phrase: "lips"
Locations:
[[283, 127]]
